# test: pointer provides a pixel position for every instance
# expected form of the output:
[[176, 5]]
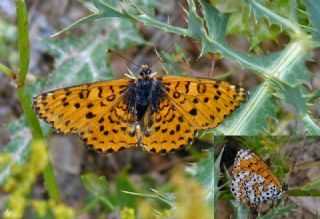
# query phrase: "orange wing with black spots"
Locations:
[[113, 115], [167, 130], [95, 111], [205, 102], [190, 104], [114, 131]]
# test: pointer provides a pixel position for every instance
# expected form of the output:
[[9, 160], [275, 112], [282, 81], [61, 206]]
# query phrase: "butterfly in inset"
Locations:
[[253, 181]]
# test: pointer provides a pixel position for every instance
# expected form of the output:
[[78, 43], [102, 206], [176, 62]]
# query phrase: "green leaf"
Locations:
[[298, 97], [313, 10], [251, 118], [215, 21], [314, 184], [123, 184], [304, 192], [239, 210], [207, 172], [8, 42], [108, 8], [97, 186], [18, 148], [82, 59], [167, 198], [103, 9], [83, 20], [261, 11], [152, 22], [278, 212], [242, 21], [287, 65], [195, 23], [311, 125], [315, 95]]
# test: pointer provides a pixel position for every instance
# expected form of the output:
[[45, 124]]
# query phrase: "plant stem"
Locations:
[[301, 192], [51, 182], [7, 71], [23, 36], [25, 97]]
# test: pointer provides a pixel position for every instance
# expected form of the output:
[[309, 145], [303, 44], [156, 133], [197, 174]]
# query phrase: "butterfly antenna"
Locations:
[[110, 51]]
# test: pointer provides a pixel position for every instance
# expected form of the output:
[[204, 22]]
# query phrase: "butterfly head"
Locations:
[[145, 72], [285, 187]]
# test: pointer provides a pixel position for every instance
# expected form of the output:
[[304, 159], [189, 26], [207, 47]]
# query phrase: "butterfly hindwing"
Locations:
[[207, 102], [167, 129], [255, 164], [253, 181], [87, 109], [114, 131]]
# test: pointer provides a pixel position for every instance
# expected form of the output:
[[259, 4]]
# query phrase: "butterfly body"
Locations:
[[144, 94], [253, 181], [158, 113]]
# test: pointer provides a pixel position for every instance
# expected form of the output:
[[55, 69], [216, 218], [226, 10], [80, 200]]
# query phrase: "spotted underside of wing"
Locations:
[[95, 111], [206, 102], [167, 130], [252, 180], [248, 161]]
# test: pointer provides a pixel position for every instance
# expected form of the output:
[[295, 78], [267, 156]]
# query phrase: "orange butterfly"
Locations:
[[159, 113], [253, 181]]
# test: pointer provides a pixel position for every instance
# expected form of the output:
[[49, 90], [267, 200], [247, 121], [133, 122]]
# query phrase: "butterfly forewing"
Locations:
[[95, 111], [252, 181], [205, 102]]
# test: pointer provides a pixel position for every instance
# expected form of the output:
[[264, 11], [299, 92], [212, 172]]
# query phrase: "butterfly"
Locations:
[[253, 181], [158, 113]]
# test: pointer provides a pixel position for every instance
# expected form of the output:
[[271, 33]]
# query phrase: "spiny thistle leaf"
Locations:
[[251, 118], [313, 10], [18, 147], [239, 211], [297, 97], [261, 11], [101, 9], [89, 63]]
